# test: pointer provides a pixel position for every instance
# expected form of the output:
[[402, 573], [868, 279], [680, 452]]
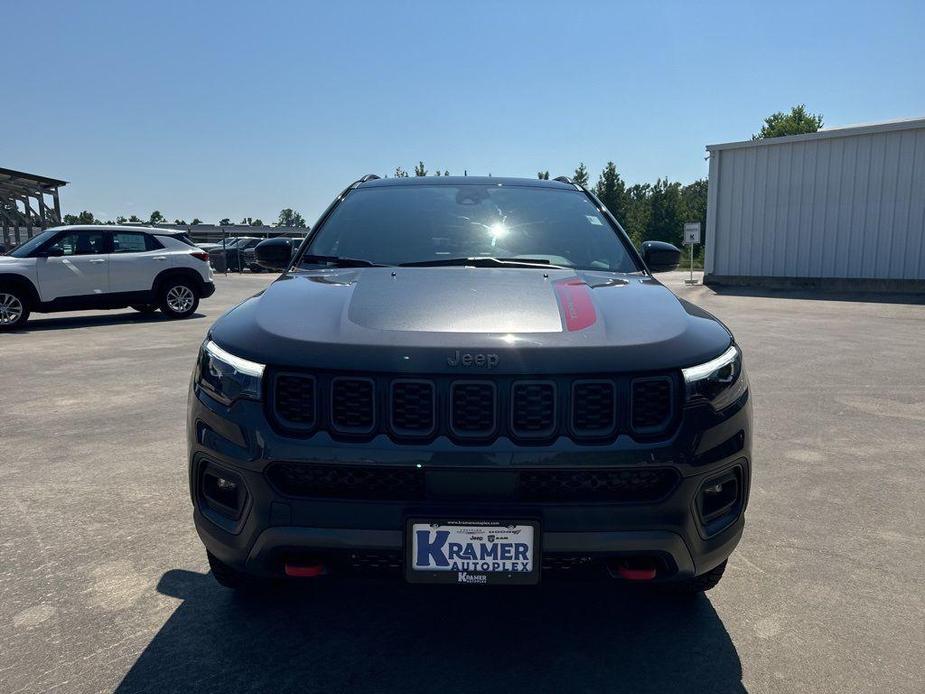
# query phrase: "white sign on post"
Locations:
[[691, 238], [691, 233]]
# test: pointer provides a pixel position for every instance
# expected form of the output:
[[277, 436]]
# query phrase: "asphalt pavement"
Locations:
[[104, 584]]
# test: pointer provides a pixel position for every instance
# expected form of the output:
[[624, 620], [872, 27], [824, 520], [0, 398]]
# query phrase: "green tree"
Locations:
[[611, 191], [85, 217], [196, 220], [179, 221], [581, 175], [542, 175], [156, 218], [121, 220], [134, 219], [251, 221], [419, 170], [400, 172], [637, 213], [224, 222], [665, 220], [694, 202], [797, 122], [290, 218]]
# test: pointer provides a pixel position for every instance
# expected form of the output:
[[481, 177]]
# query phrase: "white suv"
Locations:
[[100, 267]]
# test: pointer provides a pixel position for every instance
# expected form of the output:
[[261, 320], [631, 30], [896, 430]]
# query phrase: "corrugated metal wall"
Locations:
[[831, 206]]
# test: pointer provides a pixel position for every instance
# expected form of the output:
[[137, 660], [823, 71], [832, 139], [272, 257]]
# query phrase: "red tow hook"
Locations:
[[305, 570], [638, 571]]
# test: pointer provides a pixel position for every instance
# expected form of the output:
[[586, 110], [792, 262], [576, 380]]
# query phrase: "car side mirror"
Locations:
[[660, 256], [53, 252], [274, 254]]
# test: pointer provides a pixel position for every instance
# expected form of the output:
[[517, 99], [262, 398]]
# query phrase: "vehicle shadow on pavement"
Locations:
[[394, 637], [64, 323]]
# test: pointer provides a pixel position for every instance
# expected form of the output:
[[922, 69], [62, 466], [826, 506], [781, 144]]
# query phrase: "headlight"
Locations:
[[719, 381], [227, 377]]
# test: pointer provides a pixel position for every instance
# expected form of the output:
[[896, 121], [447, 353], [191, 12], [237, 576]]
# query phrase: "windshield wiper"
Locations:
[[336, 261], [483, 261]]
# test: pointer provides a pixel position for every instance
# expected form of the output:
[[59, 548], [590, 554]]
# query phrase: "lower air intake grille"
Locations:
[[533, 408], [473, 408], [347, 481], [652, 404], [597, 485], [294, 398], [353, 405]]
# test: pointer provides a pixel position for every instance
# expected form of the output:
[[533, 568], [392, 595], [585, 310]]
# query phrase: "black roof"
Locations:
[[34, 178]]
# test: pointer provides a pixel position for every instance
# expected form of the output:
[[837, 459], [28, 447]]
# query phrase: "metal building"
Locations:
[[28, 202], [841, 208]]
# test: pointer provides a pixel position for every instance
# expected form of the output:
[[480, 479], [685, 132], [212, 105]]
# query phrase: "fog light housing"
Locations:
[[222, 491], [720, 501]]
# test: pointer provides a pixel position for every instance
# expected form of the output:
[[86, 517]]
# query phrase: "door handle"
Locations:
[[160, 257], [98, 260]]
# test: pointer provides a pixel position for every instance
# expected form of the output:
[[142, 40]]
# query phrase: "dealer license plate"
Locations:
[[472, 552]]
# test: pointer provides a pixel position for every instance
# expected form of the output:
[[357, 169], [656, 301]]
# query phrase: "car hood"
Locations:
[[431, 320]]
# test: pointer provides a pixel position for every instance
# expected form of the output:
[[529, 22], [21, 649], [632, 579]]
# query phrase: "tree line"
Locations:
[[287, 218]]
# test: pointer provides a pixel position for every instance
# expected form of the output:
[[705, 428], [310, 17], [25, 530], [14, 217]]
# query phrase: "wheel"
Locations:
[[179, 298], [14, 309], [697, 584], [225, 575], [144, 308]]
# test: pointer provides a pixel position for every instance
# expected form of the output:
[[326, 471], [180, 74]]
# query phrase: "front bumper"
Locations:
[[273, 526]]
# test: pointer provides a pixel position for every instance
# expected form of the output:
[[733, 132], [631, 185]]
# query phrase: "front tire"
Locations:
[[179, 298], [14, 309], [698, 584]]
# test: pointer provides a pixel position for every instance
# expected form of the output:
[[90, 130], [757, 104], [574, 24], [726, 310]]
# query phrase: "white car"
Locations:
[[75, 268]]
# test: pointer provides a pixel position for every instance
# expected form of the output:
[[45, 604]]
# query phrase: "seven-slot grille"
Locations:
[[474, 410]]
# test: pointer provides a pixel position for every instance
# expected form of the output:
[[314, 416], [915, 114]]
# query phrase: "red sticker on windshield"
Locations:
[[575, 304]]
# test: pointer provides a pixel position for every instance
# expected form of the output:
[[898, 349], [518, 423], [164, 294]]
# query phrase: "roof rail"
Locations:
[[368, 177], [564, 179]]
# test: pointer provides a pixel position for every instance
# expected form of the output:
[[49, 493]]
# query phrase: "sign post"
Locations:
[[691, 238]]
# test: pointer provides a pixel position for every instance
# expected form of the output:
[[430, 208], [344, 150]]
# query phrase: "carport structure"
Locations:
[[27, 202]]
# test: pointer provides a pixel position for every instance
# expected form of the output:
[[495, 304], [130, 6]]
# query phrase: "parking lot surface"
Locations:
[[104, 584]]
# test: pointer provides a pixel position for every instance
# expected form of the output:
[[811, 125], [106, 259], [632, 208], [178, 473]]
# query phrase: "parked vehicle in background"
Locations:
[[76, 268], [228, 257], [250, 255], [469, 380]]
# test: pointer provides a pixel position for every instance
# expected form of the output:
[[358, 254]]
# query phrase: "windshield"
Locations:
[[395, 225], [24, 249]]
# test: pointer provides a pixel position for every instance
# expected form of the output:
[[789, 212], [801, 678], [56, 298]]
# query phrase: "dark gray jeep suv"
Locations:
[[469, 380]]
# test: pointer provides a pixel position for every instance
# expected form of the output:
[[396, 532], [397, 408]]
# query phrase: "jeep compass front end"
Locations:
[[469, 380]]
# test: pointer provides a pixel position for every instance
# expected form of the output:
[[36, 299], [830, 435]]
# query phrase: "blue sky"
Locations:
[[219, 109]]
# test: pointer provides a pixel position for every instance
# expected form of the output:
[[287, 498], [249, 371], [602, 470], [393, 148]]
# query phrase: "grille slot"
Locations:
[[533, 408], [382, 483], [594, 411], [353, 405], [652, 404], [638, 486], [294, 400], [412, 407], [472, 408]]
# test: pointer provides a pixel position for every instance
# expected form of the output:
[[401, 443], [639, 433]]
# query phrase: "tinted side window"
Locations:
[[129, 242], [81, 243]]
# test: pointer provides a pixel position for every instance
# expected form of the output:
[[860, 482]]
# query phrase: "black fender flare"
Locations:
[[175, 273], [12, 280]]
